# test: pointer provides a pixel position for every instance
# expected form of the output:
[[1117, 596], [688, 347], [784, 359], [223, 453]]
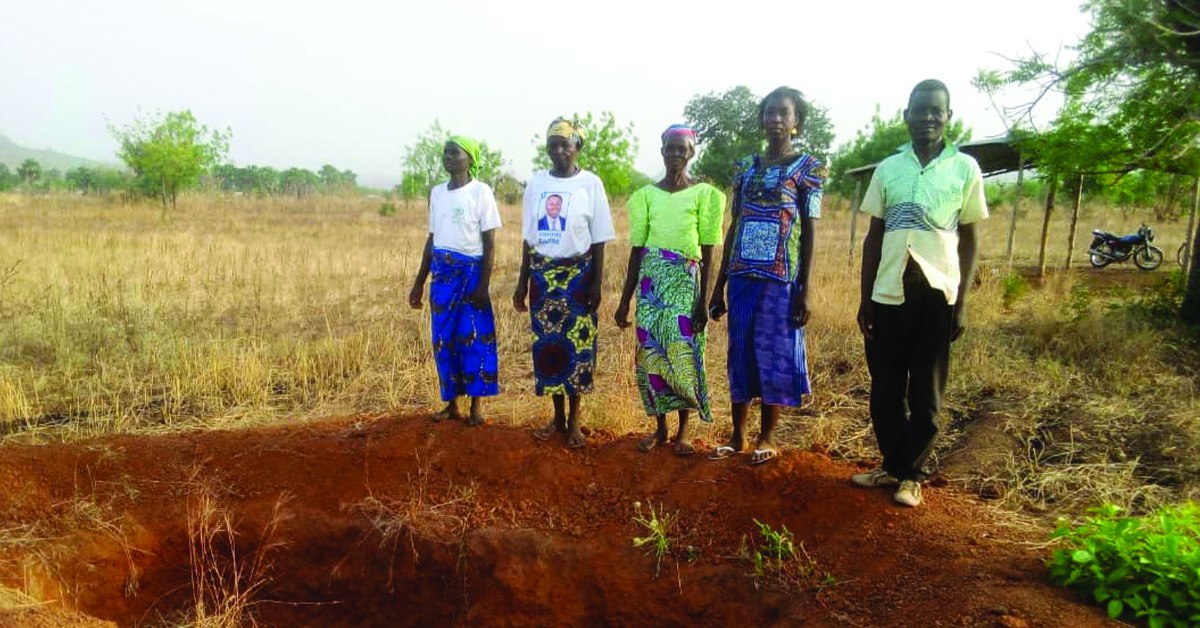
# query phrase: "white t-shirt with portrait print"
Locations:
[[458, 218], [565, 216]]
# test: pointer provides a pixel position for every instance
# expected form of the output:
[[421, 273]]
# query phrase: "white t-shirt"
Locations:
[[457, 218], [564, 217]]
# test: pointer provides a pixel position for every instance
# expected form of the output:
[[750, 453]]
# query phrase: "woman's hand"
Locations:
[[519, 295], [798, 316], [480, 297], [622, 315], [414, 296], [716, 306]]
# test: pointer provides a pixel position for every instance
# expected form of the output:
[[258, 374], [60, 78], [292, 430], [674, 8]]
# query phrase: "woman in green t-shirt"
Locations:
[[673, 226]]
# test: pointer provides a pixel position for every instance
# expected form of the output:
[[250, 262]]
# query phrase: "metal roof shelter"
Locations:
[[995, 157]]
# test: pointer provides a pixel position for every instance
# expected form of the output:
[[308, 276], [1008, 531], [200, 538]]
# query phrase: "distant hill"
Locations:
[[13, 154]]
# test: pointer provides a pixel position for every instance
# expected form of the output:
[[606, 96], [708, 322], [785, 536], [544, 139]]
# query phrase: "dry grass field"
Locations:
[[230, 312]]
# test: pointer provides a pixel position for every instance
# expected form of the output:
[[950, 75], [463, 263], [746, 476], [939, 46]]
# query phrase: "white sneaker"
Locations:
[[870, 479], [909, 493]]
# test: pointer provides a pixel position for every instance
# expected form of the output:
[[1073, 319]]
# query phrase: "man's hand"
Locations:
[[960, 320], [866, 319]]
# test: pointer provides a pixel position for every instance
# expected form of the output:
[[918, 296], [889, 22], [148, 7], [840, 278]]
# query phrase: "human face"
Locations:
[[927, 114], [562, 152], [454, 159], [676, 153], [553, 206], [779, 118]]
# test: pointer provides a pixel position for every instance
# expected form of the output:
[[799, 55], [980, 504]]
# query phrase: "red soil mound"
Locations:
[[502, 531]]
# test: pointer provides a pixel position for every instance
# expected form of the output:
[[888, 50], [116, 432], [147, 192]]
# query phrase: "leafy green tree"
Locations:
[[423, 160], [609, 152], [727, 130], [29, 171], [7, 178], [81, 179], [299, 182], [1131, 99], [168, 153], [876, 141], [411, 188]]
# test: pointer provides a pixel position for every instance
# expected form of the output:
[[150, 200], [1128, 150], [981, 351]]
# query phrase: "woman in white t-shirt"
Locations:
[[566, 222], [462, 218]]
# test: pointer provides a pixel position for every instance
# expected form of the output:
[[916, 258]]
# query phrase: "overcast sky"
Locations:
[[351, 83]]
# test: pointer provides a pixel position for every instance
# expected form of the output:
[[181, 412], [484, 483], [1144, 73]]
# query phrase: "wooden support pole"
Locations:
[[854, 205], [1016, 208], [1046, 226], [1074, 219], [1190, 238]]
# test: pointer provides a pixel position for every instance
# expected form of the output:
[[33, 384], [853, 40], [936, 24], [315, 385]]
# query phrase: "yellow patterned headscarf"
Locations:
[[562, 127]]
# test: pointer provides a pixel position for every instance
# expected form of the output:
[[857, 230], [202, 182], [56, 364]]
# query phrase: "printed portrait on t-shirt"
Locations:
[[552, 217]]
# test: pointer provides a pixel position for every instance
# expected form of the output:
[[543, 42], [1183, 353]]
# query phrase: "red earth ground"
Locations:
[[503, 531]]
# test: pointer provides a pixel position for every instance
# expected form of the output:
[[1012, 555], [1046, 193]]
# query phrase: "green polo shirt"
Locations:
[[922, 208]]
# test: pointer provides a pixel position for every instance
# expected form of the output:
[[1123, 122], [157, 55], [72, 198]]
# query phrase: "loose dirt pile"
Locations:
[[396, 521]]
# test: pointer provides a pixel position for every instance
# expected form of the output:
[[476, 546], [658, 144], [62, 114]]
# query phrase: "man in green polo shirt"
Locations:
[[918, 261]]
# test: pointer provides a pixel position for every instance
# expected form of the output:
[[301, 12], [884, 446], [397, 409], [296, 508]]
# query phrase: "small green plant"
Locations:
[[1145, 568], [659, 525], [1012, 288], [785, 560], [778, 546], [387, 209]]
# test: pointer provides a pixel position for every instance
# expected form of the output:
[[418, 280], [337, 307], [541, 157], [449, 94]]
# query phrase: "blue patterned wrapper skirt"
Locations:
[[464, 336], [767, 358]]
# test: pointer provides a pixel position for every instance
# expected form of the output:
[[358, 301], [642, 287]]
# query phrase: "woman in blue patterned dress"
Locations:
[[766, 264]]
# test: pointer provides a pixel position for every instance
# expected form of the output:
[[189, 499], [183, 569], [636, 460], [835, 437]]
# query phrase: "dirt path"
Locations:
[[502, 531]]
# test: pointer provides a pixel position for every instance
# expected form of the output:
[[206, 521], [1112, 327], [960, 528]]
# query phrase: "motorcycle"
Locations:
[[1108, 248]]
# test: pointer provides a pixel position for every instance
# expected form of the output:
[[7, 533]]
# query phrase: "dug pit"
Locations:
[[397, 521]]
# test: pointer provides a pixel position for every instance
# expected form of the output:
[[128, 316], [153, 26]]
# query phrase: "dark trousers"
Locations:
[[909, 361]]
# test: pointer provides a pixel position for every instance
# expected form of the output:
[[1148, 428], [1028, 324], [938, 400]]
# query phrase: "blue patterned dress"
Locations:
[[767, 357]]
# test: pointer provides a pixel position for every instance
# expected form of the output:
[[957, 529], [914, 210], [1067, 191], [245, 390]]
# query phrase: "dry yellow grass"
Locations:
[[236, 311]]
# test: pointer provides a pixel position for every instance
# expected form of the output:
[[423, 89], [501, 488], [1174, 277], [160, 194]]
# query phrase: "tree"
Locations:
[[168, 153], [29, 171], [1131, 99], [609, 151], [423, 160], [876, 141], [7, 178], [299, 182], [727, 130], [81, 179]]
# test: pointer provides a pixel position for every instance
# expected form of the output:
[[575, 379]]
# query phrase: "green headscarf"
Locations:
[[472, 148]]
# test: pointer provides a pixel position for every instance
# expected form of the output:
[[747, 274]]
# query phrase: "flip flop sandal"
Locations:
[[580, 445], [723, 452], [542, 435], [763, 456], [685, 452]]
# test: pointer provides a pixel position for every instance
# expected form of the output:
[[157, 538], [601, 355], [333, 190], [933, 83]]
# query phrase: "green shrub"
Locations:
[[1012, 288], [387, 210], [1145, 568]]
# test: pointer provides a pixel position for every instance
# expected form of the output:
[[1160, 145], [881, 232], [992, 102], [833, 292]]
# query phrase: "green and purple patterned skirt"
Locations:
[[670, 355]]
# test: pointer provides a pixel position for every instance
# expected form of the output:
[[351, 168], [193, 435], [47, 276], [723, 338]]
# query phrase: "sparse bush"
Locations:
[[1012, 288]]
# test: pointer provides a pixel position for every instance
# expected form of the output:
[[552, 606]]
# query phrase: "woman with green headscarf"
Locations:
[[566, 222], [459, 251]]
